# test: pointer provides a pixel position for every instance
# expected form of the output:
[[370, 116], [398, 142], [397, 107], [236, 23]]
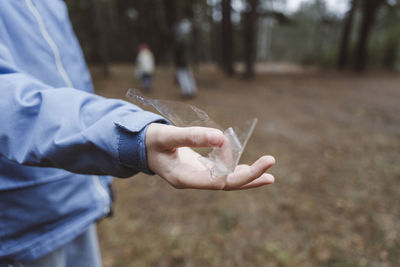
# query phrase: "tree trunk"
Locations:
[[369, 10], [346, 33], [172, 16], [250, 41], [101, 34], [227, 38]]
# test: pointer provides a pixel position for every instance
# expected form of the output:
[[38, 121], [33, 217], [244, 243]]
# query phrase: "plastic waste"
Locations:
[[221, 161]]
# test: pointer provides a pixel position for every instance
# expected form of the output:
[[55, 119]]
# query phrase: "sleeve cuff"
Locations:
[[132, 150], [132, 146]]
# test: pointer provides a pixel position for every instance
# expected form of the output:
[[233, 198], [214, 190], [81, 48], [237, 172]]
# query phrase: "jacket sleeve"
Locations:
[[68, 128]]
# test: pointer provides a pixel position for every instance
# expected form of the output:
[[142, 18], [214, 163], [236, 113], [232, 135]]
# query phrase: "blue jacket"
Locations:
[[57, 138]]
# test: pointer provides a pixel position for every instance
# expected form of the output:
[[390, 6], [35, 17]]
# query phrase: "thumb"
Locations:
[[169, 137]]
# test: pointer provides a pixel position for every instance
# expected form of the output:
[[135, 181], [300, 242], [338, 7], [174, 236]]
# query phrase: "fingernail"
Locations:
[[273, 159], [271, 179], [214, 137]]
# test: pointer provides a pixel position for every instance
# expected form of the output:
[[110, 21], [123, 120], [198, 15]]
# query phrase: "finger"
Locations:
[[246, 174], [174, 137], [265, 179]]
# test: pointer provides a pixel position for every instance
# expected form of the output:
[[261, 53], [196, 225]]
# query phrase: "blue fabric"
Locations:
[[56, 136], [124, 145], [83, 251]]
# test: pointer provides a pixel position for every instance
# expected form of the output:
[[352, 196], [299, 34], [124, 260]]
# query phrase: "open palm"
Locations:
[[170, 156]]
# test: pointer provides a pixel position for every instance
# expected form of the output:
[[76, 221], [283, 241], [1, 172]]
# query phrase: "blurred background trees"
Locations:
[[237, 34]]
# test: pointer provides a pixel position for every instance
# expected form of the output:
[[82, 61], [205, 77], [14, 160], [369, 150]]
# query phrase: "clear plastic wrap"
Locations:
[[221, 160]]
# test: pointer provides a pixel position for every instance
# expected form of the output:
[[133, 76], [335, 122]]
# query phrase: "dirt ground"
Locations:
[[336, 199]]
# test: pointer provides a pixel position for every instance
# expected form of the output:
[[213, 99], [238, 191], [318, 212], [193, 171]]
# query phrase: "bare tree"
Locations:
[[369, 11], [250, 37], [227, 38], [346, 33], [101, 35]]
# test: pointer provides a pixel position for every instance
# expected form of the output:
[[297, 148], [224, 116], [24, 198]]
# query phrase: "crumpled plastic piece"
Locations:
[[221, 161]]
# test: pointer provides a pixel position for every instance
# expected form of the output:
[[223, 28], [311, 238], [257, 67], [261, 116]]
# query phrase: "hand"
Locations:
[[169, 155]]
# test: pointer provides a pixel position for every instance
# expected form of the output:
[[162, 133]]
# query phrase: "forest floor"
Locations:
[[336, 199]]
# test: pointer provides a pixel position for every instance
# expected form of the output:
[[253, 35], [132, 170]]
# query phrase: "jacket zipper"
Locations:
[[50, 42], [60, 67]]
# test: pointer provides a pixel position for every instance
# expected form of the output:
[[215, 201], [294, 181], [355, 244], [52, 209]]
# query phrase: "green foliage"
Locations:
[[315, 32], [385, 43]]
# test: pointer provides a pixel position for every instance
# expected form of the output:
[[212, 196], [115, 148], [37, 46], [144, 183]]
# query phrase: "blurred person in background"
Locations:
[[184, 75], [59, 142], [145, 67]]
